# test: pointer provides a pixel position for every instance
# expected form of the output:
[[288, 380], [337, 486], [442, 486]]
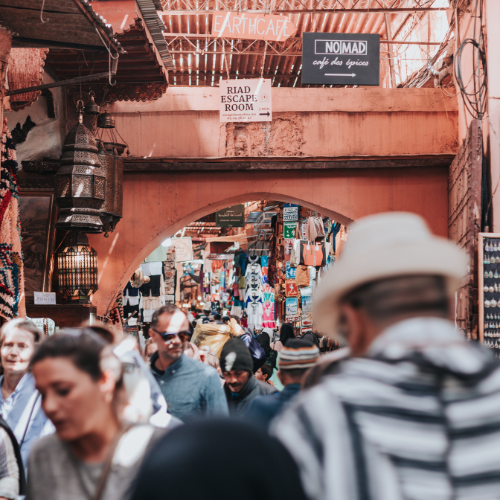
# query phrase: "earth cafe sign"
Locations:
[[231, 217], [246, 100], [252, 26], [340, 59]]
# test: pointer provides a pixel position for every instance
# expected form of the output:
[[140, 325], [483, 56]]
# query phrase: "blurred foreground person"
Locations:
[[414, 413], [237, 368], [295, 359], [93, 455], [191, 388], [20, 402], [218, 460]]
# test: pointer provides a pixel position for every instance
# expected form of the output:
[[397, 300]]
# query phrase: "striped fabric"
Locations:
[[419, 419], [301, 358]]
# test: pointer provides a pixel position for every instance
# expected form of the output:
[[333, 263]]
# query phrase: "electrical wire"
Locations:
[[475, 100]]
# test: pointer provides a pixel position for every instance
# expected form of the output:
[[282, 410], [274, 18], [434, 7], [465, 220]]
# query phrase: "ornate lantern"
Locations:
[[80, 182], [92, 108], [77, 266], [111, 163]]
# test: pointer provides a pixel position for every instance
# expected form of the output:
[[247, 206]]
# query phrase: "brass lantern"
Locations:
[[112, 209], [80, 182], [77, 266]]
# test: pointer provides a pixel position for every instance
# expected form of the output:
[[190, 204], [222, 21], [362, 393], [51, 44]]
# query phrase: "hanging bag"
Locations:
[[302, 278]]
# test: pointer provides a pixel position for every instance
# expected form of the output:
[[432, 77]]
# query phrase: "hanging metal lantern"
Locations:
[[80, 182], [92, 108], [77, 267], [112, 208], [105, 120]]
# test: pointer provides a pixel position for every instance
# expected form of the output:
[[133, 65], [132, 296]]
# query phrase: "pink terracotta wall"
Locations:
[[159, 204], [306, 122]]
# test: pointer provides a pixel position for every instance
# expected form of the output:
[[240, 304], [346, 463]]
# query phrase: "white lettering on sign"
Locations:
[[245, 100], [341, 47], [44, 298], [252, 26]]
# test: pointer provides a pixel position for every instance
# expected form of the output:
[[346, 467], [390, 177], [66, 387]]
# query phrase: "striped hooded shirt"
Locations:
[[418, 418]]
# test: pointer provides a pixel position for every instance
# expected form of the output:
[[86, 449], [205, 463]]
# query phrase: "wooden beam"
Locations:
[[201, 36], [398, 10], [140, 165], [23, 42]]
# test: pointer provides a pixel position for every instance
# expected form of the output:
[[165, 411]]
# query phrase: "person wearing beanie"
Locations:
[[240, 385], [295, 360]]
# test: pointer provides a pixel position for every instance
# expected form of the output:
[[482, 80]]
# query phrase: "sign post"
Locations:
[[340, 59], [231, 217], [244, 25], [246, 100]]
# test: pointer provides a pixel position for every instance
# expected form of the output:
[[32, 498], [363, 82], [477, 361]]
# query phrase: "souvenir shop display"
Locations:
[[489, 291], [264, 274]]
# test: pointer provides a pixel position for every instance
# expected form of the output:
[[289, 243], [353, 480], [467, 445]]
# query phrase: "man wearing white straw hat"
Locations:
[[415, 413]]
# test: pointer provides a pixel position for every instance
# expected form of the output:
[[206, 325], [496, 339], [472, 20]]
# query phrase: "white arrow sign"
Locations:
[[339, 74]]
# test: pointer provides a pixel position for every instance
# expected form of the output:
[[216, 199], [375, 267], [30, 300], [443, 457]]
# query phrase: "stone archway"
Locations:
[[158, 204]]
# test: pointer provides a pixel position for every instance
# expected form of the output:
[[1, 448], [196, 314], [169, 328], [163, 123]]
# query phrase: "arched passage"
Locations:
[[157, 205]]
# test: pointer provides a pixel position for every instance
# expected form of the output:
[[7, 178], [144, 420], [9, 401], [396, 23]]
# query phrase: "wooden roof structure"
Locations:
[[202, 59], [68, 24], [141, 62]]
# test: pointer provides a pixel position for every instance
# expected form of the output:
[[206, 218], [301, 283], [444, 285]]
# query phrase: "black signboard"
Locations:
[[340, 59], [231, 217]]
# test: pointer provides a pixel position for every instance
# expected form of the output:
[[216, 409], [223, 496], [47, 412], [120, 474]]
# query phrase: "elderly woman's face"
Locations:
[[71, 398], [16, 351]]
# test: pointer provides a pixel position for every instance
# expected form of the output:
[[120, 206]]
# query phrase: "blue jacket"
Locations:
[[191, 388], [263, 409], [22, 411]]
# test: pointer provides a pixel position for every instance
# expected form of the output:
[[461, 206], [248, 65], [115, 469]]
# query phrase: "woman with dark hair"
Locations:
[[224, 456], [93, 455], [286, 333]]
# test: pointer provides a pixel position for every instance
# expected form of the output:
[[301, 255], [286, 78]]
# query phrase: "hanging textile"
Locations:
[[25, 70], [11, 258]]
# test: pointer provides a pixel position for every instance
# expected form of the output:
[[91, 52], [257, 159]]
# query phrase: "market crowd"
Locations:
[[409, 410]]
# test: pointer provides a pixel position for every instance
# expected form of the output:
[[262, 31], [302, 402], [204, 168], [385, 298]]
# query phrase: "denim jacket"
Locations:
[[191, 388], [22, 411]]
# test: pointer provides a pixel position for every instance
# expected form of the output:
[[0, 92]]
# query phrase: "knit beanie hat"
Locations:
[[236, 356], [298, 354]]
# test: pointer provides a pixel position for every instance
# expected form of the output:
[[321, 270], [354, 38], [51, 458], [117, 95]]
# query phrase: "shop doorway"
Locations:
[[161, 203], [257, 262]]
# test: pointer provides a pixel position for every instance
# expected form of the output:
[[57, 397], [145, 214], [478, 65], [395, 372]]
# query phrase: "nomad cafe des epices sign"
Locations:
[[340, 59]]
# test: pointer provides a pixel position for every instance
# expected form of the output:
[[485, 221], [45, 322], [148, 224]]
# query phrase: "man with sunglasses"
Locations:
[[191, 388]]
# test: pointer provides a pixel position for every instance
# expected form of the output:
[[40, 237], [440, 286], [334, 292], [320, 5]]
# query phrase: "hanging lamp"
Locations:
[[77, 268], [80, 181], [112, 163]]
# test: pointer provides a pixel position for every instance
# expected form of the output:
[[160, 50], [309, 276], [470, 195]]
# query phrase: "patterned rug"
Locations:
[[11, 258]]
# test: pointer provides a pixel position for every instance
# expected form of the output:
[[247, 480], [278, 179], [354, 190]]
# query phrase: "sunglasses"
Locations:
[[169, 337]]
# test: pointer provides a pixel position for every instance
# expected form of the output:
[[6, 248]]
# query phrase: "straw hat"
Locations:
[[383, 246]]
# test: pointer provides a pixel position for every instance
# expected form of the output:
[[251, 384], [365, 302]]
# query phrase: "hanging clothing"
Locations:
[[254, 311]]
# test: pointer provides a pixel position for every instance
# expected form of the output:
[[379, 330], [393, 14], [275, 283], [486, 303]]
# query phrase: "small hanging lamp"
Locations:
[[105, 120], [77, 267], [92, 108]]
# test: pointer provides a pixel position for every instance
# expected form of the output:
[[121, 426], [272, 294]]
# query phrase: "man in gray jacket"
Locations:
[[241, 386]]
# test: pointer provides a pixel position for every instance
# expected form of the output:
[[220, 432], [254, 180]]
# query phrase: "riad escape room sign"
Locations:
[[245, 100], [231, 217], [340, 59], [252, 26]]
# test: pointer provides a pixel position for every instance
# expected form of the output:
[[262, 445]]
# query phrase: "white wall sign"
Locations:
[[183, 249], [246, 100], [45, 298]]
